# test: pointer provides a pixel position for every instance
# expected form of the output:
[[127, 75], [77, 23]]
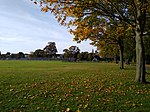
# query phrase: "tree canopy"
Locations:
[[91, 18], [71, 53]]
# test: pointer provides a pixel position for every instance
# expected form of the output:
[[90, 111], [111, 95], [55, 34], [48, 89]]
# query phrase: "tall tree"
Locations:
[[129, 49], [20, 55], [90, 15], [114, 34], [39, 53], [50, 49], [72, 52]]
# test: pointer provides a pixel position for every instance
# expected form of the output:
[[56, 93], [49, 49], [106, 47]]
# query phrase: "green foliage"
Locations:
[[8, 55], [52, 86], [90, 56], [129, 49], [50, 49], [71, 52], [92, 17], [39, 53], [80, 56], [85, 56]]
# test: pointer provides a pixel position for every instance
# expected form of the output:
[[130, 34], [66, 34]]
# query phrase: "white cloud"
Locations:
[[24, 27]]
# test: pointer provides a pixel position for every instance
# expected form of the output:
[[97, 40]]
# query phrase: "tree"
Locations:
[[129, 49], [8, 54], [31, 55], [147, 40], [39, 53], [66, 53], [90, 56], [20, 55], [107, 50], [80, 56], [91, 16], [118, 37], [72, 52], [85, 56], [113, 40], [50, 49]]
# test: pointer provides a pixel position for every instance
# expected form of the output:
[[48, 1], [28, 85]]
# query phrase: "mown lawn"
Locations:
[[53, 86]]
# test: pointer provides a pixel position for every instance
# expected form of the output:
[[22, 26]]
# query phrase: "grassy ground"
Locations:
[[45, 86]]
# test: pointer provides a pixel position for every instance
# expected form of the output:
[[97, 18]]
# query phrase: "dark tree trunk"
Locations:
[[121, 50], [116, 59]]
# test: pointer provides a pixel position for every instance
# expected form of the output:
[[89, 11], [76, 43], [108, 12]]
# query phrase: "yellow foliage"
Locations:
[[78, 110], [67, 110], [45, 9]]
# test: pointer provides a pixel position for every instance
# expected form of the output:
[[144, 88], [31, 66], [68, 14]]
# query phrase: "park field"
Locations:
[[55, 86]]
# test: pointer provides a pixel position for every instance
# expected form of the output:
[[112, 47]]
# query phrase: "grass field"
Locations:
[[53, 86]]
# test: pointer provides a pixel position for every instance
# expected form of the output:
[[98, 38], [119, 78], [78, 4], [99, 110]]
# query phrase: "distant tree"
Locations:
[[86, 56], [20, 55], [39, 53], [50, 49], [66, 53], [3, 56], [88, 18], [72, 52], [90, 57], [31, 55], [83, 56], [8, 54], [80, 56], [13, 56]]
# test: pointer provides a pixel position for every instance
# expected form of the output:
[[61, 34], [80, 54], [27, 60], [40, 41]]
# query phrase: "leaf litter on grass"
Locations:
[[101, 87]]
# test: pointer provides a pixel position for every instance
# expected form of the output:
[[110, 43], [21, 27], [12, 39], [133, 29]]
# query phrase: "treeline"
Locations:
[[13, 56], [49, 52], [73, 54], [128, 53]]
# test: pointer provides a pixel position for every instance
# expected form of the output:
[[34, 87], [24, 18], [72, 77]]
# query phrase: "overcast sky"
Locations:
[[23, 27]]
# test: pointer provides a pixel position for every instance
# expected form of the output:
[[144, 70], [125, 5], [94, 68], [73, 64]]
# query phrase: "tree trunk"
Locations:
[[121, 50], [140, 59], [121, 58], [140, 54], [116, 59]]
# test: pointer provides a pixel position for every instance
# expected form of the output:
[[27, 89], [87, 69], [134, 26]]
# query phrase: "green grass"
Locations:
[[53, 86]]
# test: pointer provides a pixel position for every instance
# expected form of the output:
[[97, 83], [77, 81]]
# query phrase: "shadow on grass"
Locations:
[[134, 68], [130, 68]]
